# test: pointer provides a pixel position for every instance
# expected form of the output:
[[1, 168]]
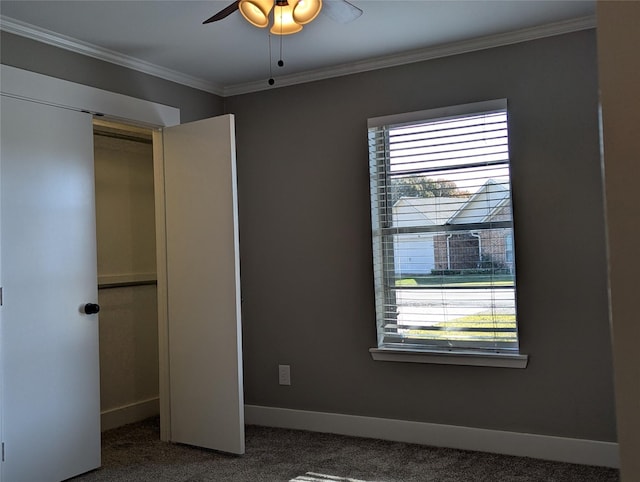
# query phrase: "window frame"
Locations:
[[381, 165]]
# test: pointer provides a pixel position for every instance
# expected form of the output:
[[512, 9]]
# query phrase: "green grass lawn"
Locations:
[[449, 330], [478, 280]]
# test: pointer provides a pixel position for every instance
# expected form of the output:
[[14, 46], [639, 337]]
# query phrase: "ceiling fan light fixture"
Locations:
[[256, 12], [283, 22], [304, 11]]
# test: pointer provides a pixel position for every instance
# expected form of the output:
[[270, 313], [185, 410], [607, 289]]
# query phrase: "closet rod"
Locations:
[[125, 284]]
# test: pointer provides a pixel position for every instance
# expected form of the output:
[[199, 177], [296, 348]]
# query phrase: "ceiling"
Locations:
[[167, 38]]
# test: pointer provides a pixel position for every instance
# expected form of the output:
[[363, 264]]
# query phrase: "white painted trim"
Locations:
[[547, 447], [34, 87], [162, 286], [439, 113], [46, 36], [498, 360], [84, 48], [439, 51], [133, 412]]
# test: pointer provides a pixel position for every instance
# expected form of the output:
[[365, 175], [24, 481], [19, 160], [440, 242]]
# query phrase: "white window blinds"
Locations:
[[443, 229]]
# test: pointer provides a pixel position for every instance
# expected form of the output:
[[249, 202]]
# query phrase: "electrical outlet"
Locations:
[[284, 374]]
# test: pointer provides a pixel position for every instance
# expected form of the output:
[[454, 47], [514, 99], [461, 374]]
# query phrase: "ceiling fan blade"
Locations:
[[341, 11], [225, 12]]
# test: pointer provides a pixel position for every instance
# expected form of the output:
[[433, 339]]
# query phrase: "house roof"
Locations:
[[483, 204], [412, 211], [480, 207]]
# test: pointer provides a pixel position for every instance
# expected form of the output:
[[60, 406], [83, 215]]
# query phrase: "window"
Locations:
[[443, 231]]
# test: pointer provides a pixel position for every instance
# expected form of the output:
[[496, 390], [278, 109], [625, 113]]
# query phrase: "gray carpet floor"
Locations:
[[135, 453]]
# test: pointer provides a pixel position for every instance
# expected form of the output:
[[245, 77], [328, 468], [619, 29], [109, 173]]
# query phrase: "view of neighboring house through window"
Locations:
[[443, 229]]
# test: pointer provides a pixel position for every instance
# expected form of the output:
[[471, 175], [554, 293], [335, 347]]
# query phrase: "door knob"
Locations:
[[91, 308]]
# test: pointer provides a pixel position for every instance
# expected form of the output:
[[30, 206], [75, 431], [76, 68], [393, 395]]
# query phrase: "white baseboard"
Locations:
[[561, 449], [133, 412]]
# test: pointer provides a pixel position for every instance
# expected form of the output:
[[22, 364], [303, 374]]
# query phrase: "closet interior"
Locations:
[[126, 254]]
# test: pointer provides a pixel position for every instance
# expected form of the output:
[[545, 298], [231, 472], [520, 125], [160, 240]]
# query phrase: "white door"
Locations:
[[203, 273], [51, 389]]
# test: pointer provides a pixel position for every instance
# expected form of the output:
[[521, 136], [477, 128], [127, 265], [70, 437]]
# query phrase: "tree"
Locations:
[[423, 186]]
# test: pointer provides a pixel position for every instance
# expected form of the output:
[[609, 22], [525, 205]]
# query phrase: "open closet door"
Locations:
[[51, 389], [203, 285]]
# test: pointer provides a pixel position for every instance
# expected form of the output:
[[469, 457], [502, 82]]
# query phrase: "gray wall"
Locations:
[[307, 275], [30, 55], [306, 251]]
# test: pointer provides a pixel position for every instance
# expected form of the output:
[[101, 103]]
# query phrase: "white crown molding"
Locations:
[[445, 50], [68, 43], [481, 43], [545, 447]]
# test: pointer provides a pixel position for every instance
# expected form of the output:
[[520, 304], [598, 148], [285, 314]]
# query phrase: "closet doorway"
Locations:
[[196, 237], [127, 280]]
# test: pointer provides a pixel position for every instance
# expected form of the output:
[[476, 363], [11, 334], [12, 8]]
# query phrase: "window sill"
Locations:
[[501, 360]]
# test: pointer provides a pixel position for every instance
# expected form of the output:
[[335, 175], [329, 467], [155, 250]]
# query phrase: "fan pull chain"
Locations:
[[280, 61], [271, 81]]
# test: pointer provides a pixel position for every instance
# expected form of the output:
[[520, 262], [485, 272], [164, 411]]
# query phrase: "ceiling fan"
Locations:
[[288, 15]]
